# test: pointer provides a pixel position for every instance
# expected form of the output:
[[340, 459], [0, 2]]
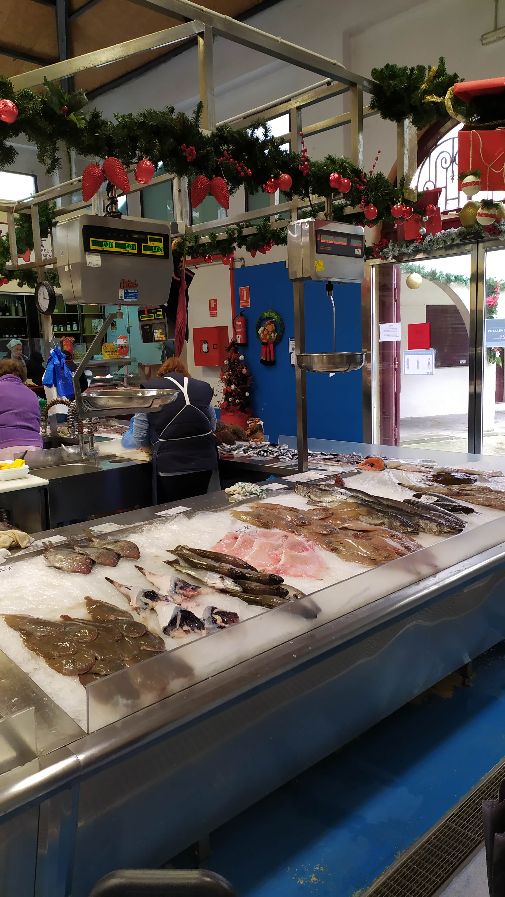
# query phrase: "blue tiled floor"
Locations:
[[333, 830]]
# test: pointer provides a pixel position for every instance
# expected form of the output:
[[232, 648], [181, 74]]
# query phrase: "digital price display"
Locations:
[[329, 242], [150, 314], [125, 242]]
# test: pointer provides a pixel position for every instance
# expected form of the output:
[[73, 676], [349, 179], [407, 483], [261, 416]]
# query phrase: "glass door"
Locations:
[[422, 341], [493, 392]]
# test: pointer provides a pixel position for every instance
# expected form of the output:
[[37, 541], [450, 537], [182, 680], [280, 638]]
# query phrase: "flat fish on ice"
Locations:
[[68, 560], [105, 557], [123, 547]]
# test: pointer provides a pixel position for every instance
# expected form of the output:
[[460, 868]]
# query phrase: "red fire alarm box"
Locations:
[[419, 336], [210, 346]]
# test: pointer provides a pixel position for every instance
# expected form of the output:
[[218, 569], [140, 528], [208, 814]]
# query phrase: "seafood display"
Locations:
[[474, 493], [104, 557], [355, 542], [275, 552], [123, 547], [68, 560], [108, 641], [397, 515]]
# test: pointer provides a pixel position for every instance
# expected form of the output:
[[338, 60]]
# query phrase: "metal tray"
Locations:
[[331, 362], [127, 400]]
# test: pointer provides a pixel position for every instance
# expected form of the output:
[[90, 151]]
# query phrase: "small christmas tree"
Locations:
[[236, 381]]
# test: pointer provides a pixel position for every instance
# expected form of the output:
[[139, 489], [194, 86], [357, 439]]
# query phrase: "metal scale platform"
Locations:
[[330, 252]]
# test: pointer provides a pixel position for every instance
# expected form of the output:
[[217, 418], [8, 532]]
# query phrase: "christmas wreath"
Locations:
[[269, 330]]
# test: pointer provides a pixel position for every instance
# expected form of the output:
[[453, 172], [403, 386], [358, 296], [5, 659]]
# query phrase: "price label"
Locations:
[[307, 476], [108, 527]]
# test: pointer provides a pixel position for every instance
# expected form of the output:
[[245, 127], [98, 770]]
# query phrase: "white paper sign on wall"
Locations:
[[390, 332]]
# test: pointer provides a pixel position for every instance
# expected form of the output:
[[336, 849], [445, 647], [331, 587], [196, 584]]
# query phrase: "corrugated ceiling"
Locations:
[[29, 33]]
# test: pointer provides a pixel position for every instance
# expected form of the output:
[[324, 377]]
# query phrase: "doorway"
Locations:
[[437, 326]]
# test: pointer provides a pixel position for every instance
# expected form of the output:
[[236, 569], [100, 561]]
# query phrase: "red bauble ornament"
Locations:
[[345, 185], [200, 189], [253, 252], [220, 192], [116, 173], [26, 255], [285, 182], [407, 211], [370, 212], [335, 180], [64, 111], [8, 112], [270, 186], [144, 171], [92, 179], [430, 210], [397, 210], [227, 260], [208, 259]]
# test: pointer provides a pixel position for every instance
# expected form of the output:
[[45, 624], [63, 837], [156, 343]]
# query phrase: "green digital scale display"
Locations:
[[124, 242]]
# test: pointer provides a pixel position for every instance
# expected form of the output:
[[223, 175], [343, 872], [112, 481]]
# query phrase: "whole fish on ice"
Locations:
[[68, 560]]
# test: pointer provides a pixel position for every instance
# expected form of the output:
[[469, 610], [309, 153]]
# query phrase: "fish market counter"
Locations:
[[251, 685], [87, 489]]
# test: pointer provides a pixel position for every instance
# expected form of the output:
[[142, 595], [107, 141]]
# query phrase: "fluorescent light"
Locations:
[[492, 37]]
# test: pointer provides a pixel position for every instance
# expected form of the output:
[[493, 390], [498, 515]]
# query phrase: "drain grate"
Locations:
[[425, 868]]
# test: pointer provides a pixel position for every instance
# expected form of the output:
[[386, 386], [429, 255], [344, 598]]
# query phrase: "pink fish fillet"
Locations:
[[273, 551]]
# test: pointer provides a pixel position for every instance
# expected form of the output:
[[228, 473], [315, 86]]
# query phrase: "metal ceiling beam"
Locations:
[[45, 2], [254, 39], [62, 33], [16, 53], [107, 55], [82, 9]]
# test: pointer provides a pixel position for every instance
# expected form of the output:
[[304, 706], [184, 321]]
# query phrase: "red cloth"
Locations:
[[419, 336], [468, 90], [181, 319], [485, 151]]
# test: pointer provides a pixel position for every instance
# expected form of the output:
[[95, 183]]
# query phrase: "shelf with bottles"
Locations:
[[12, 307]]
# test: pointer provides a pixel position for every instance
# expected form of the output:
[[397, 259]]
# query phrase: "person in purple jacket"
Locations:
[[19, 411]]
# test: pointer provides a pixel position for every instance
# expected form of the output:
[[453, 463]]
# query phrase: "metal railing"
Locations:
[[206, 25]]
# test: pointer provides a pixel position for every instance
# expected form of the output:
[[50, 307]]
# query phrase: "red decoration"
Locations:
[[64, 111], [189, 152], [116, 173], [335, 180], [207, 259], [483, 151], [26, 255], [227, 260], [92, 179], [419, 336], [200, 188], [304, 164], [345, 185], [430, 210], [8, 112], [144, 171], [397, 210], [285, 182], [220, 192], [407, 211], [370, 212], [181, 317], [270, 186]]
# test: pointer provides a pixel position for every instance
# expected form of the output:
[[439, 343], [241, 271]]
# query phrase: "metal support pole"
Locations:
[[295, 142], [206, 78], [13, 246], [406, 155], [81, 367], [357, 125], [301, 378], [476, 355]]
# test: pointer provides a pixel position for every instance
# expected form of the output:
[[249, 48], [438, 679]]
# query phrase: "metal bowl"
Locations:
[[127, 400], [331, 362]]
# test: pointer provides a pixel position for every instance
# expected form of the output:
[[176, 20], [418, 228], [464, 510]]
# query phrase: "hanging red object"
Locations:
[[144, 171], [116, 173], [92, 179], [8, 112]]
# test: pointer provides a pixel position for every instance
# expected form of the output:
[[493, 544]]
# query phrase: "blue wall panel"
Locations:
[[334, 402]]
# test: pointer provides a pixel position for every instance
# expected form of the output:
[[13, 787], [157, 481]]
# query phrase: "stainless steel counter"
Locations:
[[237, 714]]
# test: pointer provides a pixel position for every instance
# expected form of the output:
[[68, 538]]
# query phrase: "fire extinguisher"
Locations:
[[240, 330]]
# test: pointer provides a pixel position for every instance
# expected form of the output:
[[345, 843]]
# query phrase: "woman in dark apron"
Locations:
[[182, 435]]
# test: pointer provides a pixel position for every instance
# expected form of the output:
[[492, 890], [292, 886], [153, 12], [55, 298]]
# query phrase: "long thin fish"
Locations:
[[331, 496], [225, 568], [431, 520]]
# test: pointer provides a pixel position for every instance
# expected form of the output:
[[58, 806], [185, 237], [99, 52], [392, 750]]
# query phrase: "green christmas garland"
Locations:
[[414, 92]]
